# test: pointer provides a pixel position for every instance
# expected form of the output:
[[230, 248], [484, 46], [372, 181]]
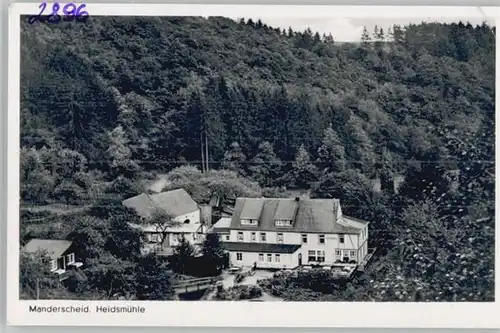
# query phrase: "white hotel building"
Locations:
[[287, 233]]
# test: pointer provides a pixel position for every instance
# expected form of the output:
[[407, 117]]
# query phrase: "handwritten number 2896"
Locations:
[[69, 10]]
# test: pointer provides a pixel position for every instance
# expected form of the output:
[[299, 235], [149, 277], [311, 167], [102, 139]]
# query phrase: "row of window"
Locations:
[[321, 239], [346, 253], [312, 256], [283, 223], [280, 238], [249, 222], [319, 255], [269, 257], [315, 256], [278, 223]]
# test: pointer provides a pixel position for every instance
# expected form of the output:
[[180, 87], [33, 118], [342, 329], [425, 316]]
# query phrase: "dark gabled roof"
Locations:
[[176, 202], [54, 248], [313, 215], [261, 247]]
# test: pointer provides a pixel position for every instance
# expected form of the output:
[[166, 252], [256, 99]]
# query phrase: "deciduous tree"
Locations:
[[234, 159]]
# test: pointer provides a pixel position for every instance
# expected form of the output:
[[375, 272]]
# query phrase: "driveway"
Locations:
[[259, 274]]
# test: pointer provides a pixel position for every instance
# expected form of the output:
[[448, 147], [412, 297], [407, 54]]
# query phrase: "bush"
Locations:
[[238, 293], [317, 280]]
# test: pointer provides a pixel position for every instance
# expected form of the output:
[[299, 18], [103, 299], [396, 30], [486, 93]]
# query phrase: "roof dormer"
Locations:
[[285, 212], [250, 214]]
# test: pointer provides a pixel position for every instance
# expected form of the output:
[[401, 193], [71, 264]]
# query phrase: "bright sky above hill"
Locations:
[[349, 29]]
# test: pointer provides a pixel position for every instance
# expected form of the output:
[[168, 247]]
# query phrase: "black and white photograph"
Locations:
[[256, 158]]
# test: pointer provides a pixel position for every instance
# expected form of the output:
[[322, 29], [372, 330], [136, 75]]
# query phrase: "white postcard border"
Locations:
[[231, 314]]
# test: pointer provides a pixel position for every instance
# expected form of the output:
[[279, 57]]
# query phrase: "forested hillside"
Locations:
[[107, 103]]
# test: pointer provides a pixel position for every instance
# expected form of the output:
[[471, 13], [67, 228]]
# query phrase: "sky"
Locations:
[[348, 29]]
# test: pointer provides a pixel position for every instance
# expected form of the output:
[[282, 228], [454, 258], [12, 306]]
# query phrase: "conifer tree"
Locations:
[[365, 36], [381, 35], [183, 254], [398, 34], [265, 166], [303, 170], [331, 153], [375, 33], [214, 253]]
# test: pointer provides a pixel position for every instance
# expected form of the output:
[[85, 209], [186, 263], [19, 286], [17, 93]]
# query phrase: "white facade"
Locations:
[[291, 232], [189, 227], [263, 260], [316, 248], [178, 204], [189, 218], [192, 229], [64, 262]]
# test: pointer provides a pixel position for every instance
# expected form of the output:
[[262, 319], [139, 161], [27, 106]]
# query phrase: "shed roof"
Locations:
[[222, 226], [354, 222], [261, 247]]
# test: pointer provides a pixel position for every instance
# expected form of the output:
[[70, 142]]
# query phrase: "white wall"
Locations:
[[173, 239], [286, 260], [53, 265], [332, 242], [193, 217]]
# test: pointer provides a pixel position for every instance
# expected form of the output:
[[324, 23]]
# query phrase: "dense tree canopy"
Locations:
[[244, 109], [128, 88]]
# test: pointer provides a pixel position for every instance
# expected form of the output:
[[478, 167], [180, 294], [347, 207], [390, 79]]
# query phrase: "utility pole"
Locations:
[[202, 153], [206, 152]]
